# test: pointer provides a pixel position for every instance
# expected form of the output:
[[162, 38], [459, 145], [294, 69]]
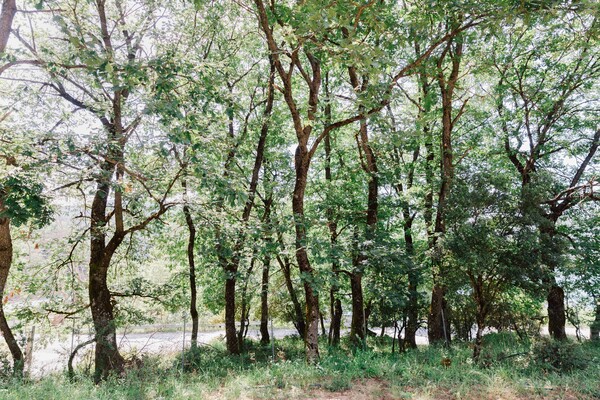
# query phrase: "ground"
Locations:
[[511, 369]]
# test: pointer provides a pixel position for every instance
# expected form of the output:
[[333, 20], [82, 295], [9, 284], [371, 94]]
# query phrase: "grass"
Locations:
[[508, 370]]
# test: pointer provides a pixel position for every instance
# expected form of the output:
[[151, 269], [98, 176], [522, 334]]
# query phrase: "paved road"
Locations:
[[53, 356]]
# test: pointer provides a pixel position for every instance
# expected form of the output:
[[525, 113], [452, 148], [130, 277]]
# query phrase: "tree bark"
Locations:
[[357, 327], [439, 314], [287, 275], [556, 295], [192, 272], [556, 312], [595, 326], [438, 323], [335, 305], [9, 9], [412, 324], [311, 338], [107, 356], [6, 255], [369, 165], [336, 323], [264, 306]]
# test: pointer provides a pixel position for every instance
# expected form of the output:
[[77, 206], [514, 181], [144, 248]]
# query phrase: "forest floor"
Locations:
[[509, 369]]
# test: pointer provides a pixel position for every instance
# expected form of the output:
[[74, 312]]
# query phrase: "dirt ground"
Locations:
[[376, 389]]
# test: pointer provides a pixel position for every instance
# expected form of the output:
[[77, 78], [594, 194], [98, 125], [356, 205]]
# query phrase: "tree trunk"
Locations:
[[439, 316], [9, 9], [311, 338], [245, 306], [6, 250], [556, 312], [438, 322], [107, 356], [556, 295], [192, 273], [230, 331], [336, 323], [595, 326], [299, 317], [357, 328], [264, 307], [369, 165], [413, 282], [478, 342]]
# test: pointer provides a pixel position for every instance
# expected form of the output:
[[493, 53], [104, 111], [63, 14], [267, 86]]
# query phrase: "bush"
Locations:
[[559, 356]]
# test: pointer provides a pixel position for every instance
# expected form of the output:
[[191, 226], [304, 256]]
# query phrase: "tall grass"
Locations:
[[508, 369]]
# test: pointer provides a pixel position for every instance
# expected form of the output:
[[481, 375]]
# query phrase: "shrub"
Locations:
[[558, 356]]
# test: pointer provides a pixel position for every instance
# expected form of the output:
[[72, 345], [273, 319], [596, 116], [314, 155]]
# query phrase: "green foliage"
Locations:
[[24, 201], [560, 356]]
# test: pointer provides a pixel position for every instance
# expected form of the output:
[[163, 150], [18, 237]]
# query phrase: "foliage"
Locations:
[[560, 356]]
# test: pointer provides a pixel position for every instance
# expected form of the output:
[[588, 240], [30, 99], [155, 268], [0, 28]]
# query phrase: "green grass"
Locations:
[[211, 374]]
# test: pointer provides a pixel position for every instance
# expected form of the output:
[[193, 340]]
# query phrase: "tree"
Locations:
[[101, 71], [21, 202], [303, 46], [543, 100]]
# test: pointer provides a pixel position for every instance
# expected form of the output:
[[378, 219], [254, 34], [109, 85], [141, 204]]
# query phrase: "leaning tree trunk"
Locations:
[[6, 250]]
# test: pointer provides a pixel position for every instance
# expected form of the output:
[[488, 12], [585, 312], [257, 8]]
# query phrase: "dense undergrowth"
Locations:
[[508, 369]]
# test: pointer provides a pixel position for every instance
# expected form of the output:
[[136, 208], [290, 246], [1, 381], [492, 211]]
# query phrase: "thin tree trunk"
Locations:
[[336, 323], [438, 322], [369, 165], [264, 306], [6, 250], [412, 324], [192, 271], [268, 238], [245, 304], [231, 266], [287, 275], [335, 304]]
